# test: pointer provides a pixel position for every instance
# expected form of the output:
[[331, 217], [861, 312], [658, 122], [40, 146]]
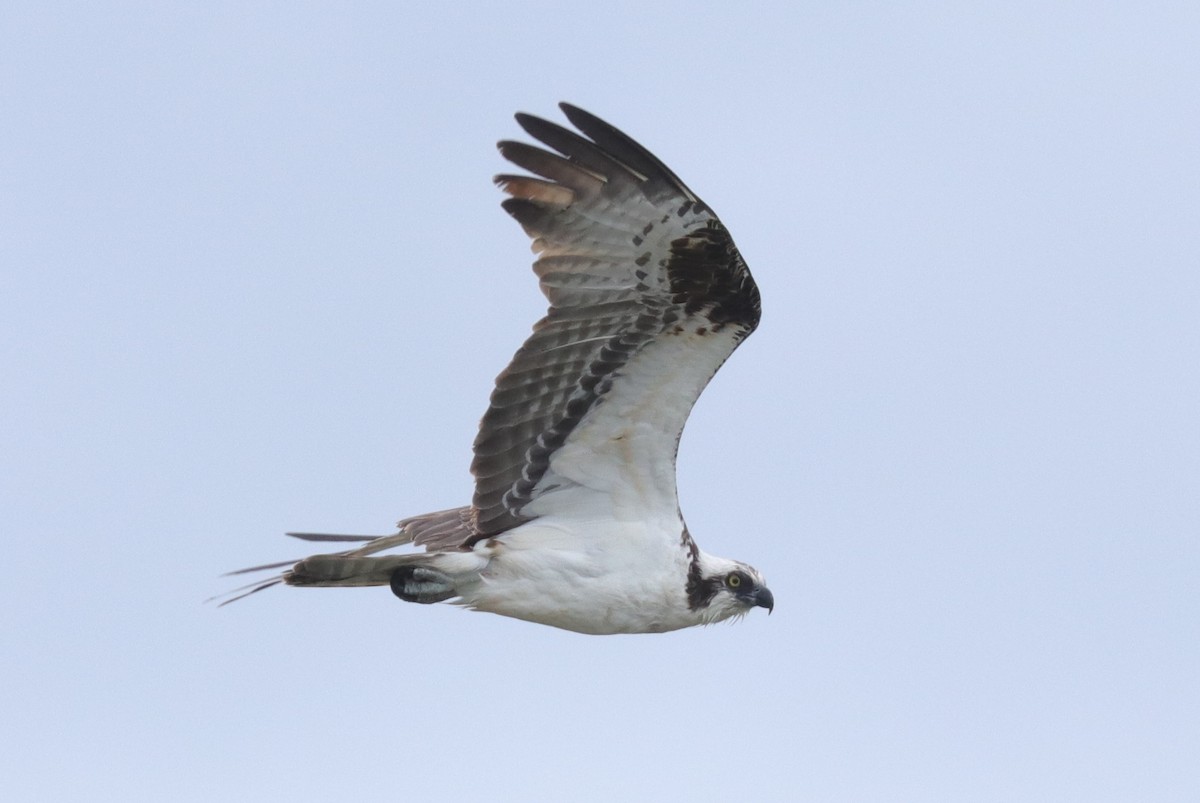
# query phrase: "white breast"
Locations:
[[597, 577]]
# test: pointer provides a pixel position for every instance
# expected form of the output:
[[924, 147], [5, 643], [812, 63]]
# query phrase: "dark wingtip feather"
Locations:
[[624, 147], [532, 215], [576, 147], [572, 111]]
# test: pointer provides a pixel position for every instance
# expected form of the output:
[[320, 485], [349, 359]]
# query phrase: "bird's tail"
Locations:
[[352, 567], [327, 571], [414, 577]]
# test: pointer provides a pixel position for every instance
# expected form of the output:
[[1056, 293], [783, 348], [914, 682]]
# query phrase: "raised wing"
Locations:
[[648, 297]]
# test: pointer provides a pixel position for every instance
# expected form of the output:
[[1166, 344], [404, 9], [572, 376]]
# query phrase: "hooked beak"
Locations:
[[763, 598]]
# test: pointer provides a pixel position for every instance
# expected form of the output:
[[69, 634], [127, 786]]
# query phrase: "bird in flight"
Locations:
[[575, 521]]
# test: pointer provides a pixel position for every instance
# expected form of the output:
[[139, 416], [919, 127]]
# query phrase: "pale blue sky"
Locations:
[[255, 278]]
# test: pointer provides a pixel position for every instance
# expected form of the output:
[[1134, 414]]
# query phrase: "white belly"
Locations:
[[610, 578]]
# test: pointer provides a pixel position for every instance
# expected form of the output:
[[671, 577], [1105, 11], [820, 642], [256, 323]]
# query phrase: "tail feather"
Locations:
[[262, 568], [241, 592], [350, 568], [349, 571]]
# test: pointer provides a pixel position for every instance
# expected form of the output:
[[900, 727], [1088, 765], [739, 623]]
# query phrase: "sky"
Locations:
[[254, 278]]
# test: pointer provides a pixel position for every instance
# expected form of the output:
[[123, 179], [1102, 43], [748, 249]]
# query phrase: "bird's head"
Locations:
[[718, 588]]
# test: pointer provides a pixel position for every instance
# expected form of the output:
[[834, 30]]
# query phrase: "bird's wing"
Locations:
[[648, 297]]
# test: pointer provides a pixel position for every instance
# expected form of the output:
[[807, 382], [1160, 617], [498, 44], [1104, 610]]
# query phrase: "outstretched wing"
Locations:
[[648, 297]]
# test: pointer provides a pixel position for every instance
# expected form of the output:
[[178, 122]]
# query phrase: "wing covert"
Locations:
[[648, 296]]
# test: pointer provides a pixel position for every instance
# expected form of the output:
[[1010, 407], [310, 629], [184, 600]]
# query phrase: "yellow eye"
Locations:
[[733, 580]]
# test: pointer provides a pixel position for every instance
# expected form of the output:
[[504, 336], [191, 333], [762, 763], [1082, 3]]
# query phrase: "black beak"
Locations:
[[763, 598]]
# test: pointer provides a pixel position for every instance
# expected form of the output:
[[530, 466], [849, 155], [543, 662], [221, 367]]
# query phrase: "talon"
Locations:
[[421, 584]]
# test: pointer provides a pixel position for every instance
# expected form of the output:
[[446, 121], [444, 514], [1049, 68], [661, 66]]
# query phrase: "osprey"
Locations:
[[575, 521]]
